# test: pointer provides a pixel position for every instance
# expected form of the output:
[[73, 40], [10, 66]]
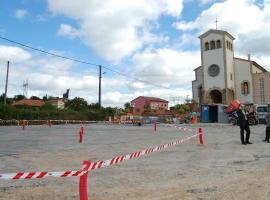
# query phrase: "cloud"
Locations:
[[234, 16], [115, 29], [21, 13], [68, 31], [13, 54], [174, 96], [43, 17], [247, 21], [167, 67], [205, 1], [52, 76]]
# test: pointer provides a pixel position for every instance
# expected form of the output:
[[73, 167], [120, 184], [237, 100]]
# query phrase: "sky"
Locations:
[[146, 47]]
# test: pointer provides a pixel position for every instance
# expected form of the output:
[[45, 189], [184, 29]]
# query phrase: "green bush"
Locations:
[[90, 112]]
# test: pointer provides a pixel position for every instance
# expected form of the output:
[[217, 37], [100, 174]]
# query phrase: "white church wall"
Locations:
[[197, 83], [195, 94], [256, 70], [242, 73], [199, 76], [230, 64], [213, 57]]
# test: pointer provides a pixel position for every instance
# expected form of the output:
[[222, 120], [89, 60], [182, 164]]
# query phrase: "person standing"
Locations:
[[244, 125], [267, 119]]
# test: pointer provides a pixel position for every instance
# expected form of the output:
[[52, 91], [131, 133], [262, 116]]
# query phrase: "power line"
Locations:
[[80, 61], [49, 53]]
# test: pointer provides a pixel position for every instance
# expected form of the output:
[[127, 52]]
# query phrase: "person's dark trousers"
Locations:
[[242, 133], [248, 133], [267, 134]]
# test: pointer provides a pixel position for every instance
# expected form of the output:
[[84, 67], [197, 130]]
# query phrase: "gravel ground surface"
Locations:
[[222, 168]]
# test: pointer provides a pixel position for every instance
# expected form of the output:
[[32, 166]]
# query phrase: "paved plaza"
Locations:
[[222, 168]]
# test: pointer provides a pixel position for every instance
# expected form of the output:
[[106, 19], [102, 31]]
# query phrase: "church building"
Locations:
[[222, 77]]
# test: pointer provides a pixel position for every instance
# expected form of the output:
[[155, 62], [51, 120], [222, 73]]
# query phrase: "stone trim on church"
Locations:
[[222, 77]]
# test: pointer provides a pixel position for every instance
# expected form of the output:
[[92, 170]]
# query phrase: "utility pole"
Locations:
[[25, 88], [99, 88], [5, 97]]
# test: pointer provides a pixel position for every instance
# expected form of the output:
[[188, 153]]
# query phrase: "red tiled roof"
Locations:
[[29, 102], [153, 99]]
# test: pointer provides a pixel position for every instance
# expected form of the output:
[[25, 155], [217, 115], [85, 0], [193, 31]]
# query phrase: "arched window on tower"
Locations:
[[206, 46], [212, 45], [218, 44]]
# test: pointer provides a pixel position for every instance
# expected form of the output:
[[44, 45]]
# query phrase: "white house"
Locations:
[[58, 103]]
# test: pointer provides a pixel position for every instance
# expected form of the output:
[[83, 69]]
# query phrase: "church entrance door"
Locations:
[[216, 96]]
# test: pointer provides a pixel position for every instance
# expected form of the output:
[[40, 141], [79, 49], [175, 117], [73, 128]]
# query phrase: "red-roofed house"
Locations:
[[149, 106], [29, 102]]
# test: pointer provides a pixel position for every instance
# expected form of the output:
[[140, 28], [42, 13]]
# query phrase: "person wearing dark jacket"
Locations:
[[244, 126], [267, 119]]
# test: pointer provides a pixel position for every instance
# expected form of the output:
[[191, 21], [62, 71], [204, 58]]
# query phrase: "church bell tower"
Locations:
[[217, 58]]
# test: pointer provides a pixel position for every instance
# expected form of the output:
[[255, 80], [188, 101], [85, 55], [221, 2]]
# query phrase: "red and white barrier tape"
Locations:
[[93, 166]]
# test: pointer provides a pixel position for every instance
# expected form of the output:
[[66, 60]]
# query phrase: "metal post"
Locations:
[[5, 97], [83, 181], [99, 89]]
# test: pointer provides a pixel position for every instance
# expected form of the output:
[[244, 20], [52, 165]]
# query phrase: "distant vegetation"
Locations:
[[75, 109]]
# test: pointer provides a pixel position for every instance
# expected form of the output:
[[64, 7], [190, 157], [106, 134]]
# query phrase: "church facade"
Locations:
[[222, 77]]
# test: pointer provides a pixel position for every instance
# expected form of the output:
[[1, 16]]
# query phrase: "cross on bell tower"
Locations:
[[216, 23]]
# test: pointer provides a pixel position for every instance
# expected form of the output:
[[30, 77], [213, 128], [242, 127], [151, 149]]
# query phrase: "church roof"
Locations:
[[197, 68], [218, 32], [254, 63]]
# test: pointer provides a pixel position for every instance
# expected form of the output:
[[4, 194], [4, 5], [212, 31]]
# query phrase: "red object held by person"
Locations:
[[233, 107]]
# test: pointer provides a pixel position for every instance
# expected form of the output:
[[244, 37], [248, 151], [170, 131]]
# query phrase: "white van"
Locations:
[[261, 112]]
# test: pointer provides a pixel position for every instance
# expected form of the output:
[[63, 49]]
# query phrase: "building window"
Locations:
[[245, 87], [218, 44], [229, 45], [262, 91], [212, 45], [206, 46], [231, 76]]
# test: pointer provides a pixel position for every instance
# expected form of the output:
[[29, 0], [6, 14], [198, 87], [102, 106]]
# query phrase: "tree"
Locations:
[[19, 97], [94, 106], [127, 108], [181, 108], [111, 111], [45, 98], [2, 97], [127, 105], [48, 106], [77, 104], [34, 98]]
